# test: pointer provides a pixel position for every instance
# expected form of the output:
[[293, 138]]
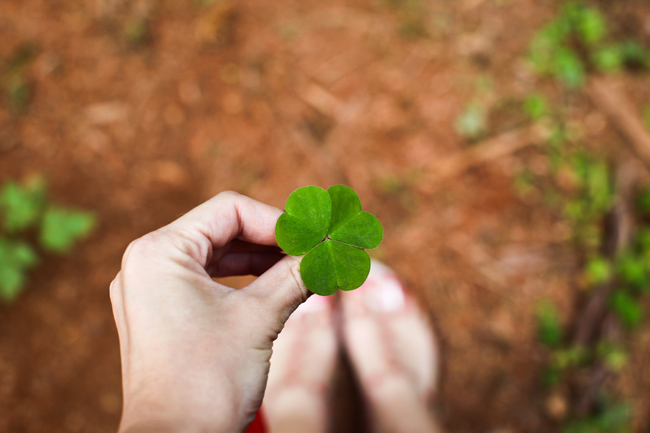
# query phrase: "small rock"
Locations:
[[556, 406], [169, 172], [106, 113]]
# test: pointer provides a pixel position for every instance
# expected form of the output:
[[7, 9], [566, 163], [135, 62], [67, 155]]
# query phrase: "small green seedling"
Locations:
[[24, 211], [329, 228], [577, 41]]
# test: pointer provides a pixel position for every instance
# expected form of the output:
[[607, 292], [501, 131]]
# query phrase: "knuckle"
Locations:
[[141, 247], [142, 244], [229, 195], [114, 291]]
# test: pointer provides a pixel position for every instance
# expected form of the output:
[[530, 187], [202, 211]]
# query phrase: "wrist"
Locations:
[[146, 422], [170, 413]]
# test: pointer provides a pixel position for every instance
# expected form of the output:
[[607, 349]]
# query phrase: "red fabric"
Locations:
[[257, 426]]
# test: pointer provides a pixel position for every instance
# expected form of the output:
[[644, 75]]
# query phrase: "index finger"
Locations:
[[228, 216]]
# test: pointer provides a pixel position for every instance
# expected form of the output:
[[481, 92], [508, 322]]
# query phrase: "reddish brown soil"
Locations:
[[141, 134]]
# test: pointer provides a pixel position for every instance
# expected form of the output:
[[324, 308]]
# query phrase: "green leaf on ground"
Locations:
[[535, 106], [598, 270], [608, 59], [16, 257], [568, 67], [632, 271], [22, 205], [330, 228], [549, 326], [627, 308], [61, 228], [587, 21], [614, 356]]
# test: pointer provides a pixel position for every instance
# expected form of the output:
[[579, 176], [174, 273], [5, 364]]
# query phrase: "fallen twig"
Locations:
[[478, 154], [613, 102], [594, 322], [619, 222]]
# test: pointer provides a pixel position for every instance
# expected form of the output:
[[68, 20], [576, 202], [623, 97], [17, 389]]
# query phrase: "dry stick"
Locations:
[[594, 321], [620, 223], [609, 99], [478, 154], [323, 163], [344, 113]]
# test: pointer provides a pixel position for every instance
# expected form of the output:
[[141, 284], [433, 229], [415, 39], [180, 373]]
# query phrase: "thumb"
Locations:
[[281, 288]]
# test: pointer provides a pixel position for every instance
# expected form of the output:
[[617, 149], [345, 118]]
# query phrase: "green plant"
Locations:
[[612, 418], [627, 308], [608, 59], [598, 270], [549, 327], [330, 229], [592, 197], [535, 106], [575, 42], [613, 355], [632, 271], [24, 207], [571, 357]]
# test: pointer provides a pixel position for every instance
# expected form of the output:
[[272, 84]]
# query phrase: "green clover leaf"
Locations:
[[332, 231]]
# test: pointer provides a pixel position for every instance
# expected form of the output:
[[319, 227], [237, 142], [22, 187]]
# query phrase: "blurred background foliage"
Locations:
[[503, 144]]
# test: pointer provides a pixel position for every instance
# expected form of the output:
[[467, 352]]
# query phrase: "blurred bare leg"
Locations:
[[392, 347], [301, 370]]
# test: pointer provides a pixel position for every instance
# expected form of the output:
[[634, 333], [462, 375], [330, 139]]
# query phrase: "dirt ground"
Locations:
[[262, 99]]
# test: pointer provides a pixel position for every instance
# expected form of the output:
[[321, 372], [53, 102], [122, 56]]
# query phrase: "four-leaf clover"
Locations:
[[329, 228]]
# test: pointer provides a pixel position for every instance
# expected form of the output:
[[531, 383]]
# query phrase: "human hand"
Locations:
[[195, 353]]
